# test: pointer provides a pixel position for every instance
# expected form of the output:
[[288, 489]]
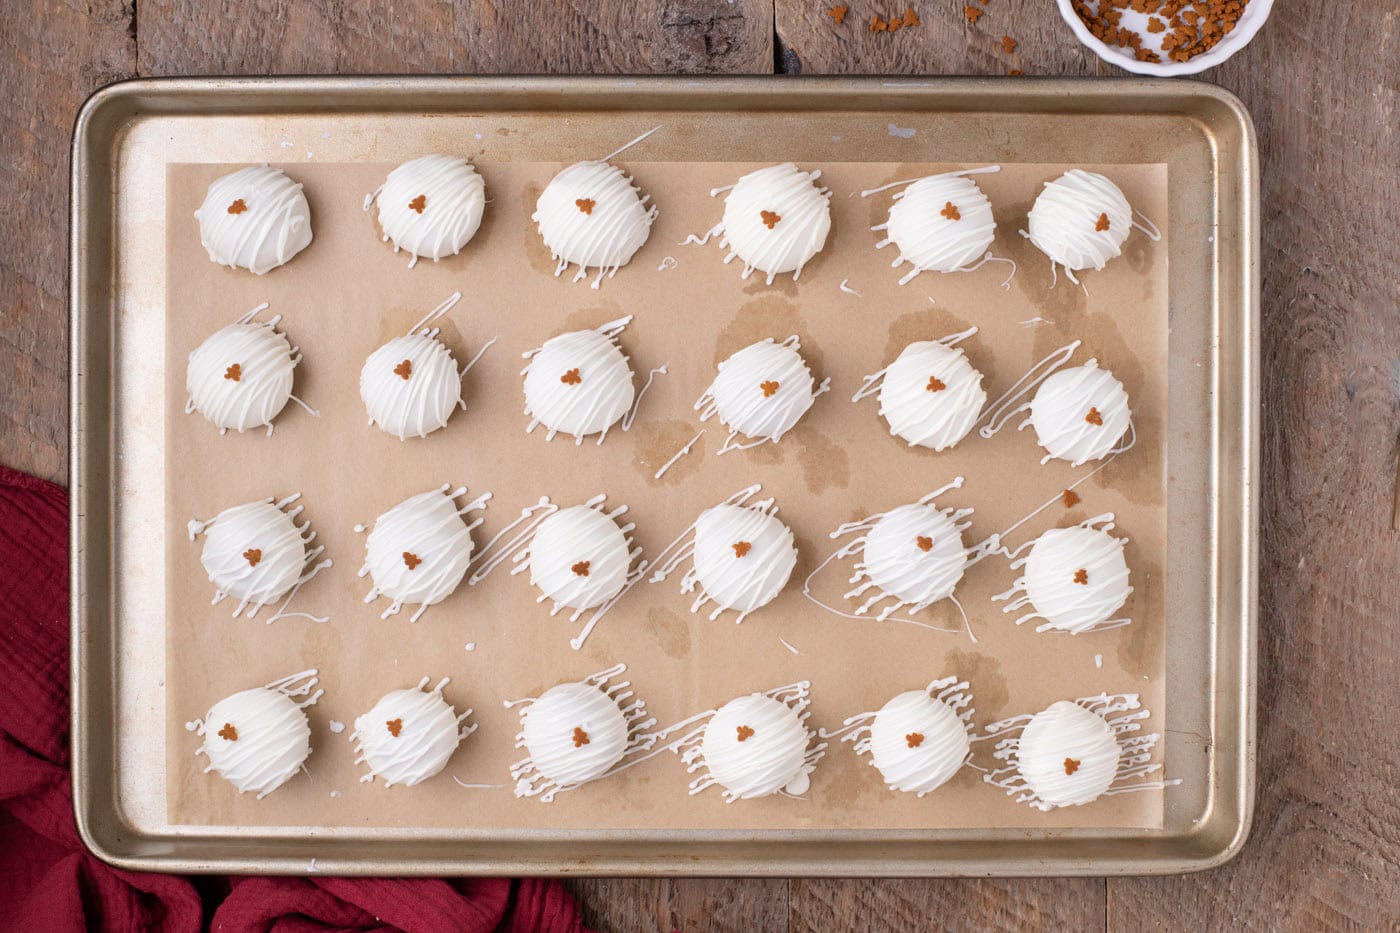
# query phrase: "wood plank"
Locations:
[[51, 58], [1325, 851], [918, 905], [695, 905]]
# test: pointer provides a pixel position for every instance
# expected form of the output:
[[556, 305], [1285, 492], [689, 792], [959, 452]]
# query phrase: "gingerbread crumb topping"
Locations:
[[581, 568], [972, 13], [228, 732], [910, 17], [234, 372], [914, 739], [585, 205], [770, 388], [838, 13], [404, 370], [571, 378], [741, 548], [418, 203], [252, 556], [1094, 418], [935, 384], [237, 207], [878, 25], [1071, 498], [1071, 765], [770, 219], [1101, 224], [580, 737], [950, 210], [744, 732], [924, 542], [1081, 576], [411, 560], [395, 726], [1008, 44]]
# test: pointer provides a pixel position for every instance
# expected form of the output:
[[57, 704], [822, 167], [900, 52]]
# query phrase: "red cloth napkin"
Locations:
[[49, 882]]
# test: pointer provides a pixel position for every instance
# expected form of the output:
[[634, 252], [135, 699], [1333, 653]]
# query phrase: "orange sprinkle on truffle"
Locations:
[[585, 205], [580, 737], [1071, 498], [418, 204], [770, 219], [935, 384], [838, 13], [1081, 576], [411, 560], [395, 726], [1094, 418], [914, 739], [252, 556], [228, 732], [950, 210], [770, 388], [1071, 766], [404, 370], [741, 548], [744, 732], [1101, 224], [234, 372], [237, 207], [581, 568], [924, 542], [571, 378]]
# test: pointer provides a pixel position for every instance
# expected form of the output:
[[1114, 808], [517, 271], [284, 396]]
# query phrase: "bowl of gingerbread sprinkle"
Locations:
[[1165, 37]]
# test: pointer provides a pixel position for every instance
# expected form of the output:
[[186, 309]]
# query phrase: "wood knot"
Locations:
[[770, 219], [585, 205], [580, 737], [1101, 224], [924, 542], [404, 370], [914, 739], [252, 556], [237, 207], [741, 548], [1081, 576], [581, 568], [1094, 418], [745, 732], [228, 732], [770, 388], [935, 384], [950, 211], [571, 378], [234, 372], [1071, 498], [418, 204], [411, 560], [1071, 765], [395, 726]]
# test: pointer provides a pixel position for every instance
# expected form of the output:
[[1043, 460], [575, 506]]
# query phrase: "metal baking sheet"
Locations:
[[128, 134]]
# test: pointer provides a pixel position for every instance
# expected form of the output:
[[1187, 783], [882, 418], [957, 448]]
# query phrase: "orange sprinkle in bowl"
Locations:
[[1249, 23]]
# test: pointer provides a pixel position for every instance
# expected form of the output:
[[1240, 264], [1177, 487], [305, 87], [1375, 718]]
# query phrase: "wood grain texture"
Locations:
[[1325, 851], [48, 65]]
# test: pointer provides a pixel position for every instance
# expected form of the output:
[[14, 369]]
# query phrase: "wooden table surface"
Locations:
[[1321, 83]]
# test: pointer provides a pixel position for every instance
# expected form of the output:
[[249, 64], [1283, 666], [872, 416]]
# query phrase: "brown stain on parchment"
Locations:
[[659, 441], [769, 315], [929, 323], [590, 318], [825, 464], [983, 674], [536, 253], [1140, 647], [669, 630]]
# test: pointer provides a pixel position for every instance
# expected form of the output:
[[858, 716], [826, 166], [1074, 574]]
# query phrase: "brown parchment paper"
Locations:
[[348, 293]]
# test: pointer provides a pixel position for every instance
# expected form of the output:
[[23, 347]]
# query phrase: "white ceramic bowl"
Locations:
[[1248, 25]]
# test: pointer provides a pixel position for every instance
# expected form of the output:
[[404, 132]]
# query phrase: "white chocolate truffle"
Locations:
[[255, 552], [579, 558], [775, 220], [574, 733], [1080, 414], [257, 739], [917, 742], [1074, 578], [941, 223], [755, 746], [255, 218], [408, 736], [1080, 220], [411, 386], [743, 556], [431, 206], [592, 215], [931, 395], [418, 551], [915, 553], [579, 383], [762, 391], [1068, 755], [240, 377]]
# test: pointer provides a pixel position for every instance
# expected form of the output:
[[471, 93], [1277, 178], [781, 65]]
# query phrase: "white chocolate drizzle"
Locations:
[[762, 391], [453, 199], [1075, 578], [258, 739], [1064, 223], [679, 454], [255, 218], [931, 396], [775, 220], [580, 383], [240, 377], [409, 735]]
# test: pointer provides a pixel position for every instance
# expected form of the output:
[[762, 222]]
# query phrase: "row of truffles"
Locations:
[[591, 215], [741, 555], [581, 384], [1069, 754]]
